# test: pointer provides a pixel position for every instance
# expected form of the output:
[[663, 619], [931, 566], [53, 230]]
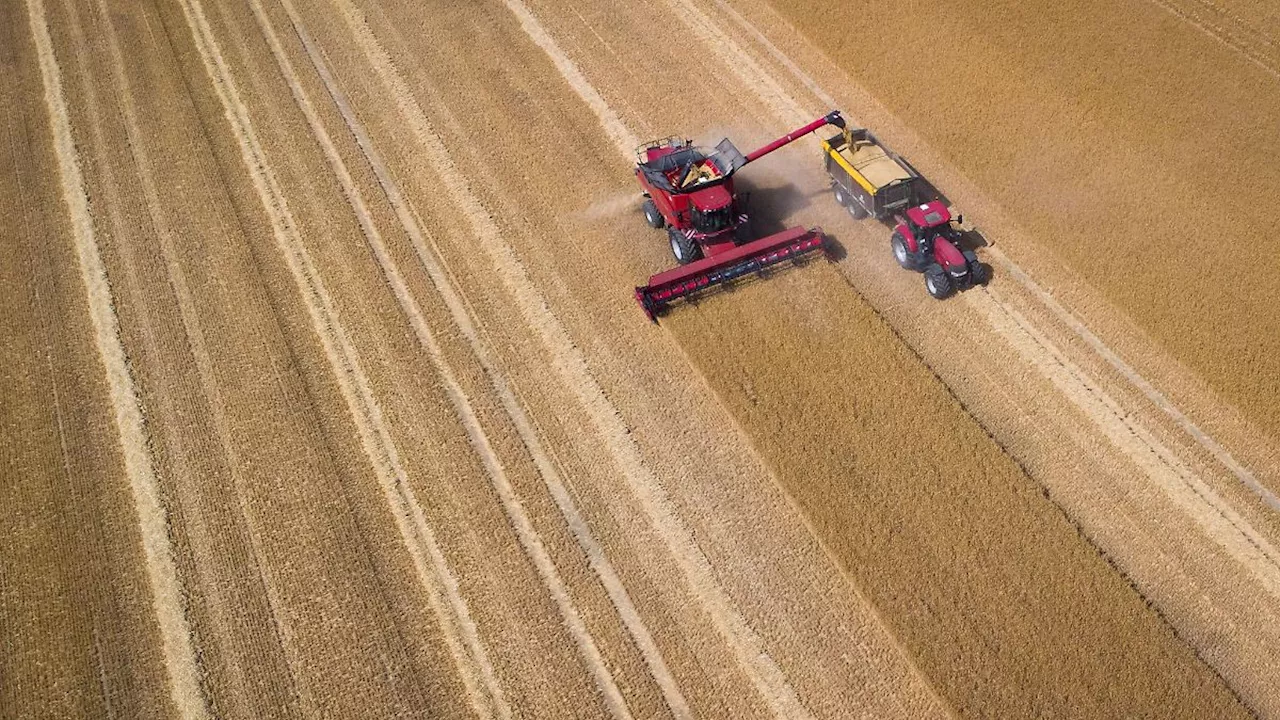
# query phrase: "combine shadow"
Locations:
[[835, 249], [769, 205]]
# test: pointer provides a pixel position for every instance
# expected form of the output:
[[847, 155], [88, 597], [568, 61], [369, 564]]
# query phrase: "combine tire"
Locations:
[[652, 216], [900, 252], [937, 281], [684, 249]]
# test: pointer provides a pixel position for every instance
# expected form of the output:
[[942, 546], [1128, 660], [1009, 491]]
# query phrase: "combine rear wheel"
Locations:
[[937, 281], [652, 216], [684, 249]]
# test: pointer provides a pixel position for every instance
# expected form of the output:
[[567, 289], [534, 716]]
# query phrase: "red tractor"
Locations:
[[926, 240], [689, 191]]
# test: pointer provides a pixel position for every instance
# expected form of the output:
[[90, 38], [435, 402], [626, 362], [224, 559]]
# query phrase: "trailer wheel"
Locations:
[[856, 210], [842, 197], [652, 216], [901, 253], [684, 249], [937, 282]]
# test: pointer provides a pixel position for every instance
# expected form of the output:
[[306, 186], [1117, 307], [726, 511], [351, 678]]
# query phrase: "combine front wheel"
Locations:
[[652, 216], [685, 249]]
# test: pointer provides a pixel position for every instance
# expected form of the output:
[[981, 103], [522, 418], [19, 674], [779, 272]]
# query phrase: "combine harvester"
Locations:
[[870, 180], [690, 192]]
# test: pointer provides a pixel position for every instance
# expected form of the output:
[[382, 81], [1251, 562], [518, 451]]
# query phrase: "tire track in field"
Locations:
[[1221, 34], [569, 363], [180, 659], [741, 63], [1242, 473], [824, 98], [1187, 490], [444, 594], [1157, 398], [621, 135], [516, 514], [428, 254], [195, 339]]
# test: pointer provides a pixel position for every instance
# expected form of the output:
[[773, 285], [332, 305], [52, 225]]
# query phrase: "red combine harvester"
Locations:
[[690, 192]]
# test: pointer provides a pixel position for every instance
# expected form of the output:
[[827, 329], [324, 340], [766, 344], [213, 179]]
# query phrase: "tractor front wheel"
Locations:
[[684, 249], [980, 272], [937, 281], [652, 216]]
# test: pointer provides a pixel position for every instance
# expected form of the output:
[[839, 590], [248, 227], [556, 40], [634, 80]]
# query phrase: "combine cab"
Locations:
[[689, 192]]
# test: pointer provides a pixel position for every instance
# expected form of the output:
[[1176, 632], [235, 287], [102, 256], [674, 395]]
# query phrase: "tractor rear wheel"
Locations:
[[904, 256], [652, 216], [937, 281], [684, 249]]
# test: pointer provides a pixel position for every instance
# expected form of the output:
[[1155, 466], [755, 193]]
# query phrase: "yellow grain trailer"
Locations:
[[866, 177]]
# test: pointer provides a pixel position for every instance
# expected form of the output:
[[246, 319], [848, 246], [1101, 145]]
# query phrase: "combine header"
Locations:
[[689, 192]]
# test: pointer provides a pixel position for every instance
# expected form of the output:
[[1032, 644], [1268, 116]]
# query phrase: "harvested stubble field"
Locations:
[[324, 393]]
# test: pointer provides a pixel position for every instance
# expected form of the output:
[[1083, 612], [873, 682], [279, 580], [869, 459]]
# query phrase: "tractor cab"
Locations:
[[930, 221], [928, 216]]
